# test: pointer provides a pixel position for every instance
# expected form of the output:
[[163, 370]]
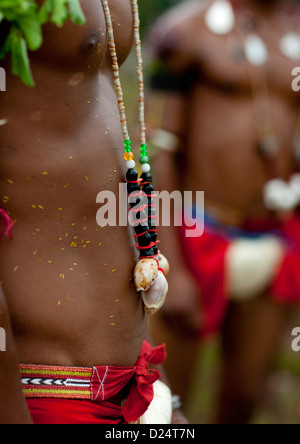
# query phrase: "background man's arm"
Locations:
[[182, 306], [168, 113]]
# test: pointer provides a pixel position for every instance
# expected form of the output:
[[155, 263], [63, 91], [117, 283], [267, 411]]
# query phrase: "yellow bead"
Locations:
[[128, 156]]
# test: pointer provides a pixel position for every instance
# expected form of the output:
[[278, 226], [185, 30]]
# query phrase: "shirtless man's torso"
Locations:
[[67, 281]]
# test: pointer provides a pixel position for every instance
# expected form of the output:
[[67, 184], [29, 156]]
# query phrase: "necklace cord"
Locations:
[[145, 214], [116, 69]]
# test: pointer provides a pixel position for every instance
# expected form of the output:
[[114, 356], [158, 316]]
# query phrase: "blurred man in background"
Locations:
[[65, 305], [226, 121]]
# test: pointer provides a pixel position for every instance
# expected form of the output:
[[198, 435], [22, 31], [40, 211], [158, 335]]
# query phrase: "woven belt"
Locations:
[[99, 384], [57, 382]]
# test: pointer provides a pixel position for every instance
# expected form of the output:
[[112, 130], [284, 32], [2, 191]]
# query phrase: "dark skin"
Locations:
[[217, 127], [67, 289], [15, 411]]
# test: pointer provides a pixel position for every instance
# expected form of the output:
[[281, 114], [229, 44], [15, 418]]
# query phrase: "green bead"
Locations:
[[144, 159], [127, 150], [144, 147], [127, 143]]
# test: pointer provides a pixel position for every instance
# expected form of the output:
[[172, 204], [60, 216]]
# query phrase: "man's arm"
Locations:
[[168, 106], [177, 415], [182, 309], [13, 407]]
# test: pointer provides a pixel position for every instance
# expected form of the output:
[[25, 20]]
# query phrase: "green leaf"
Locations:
[[76, 13], [60, 13], [20, 59], [44, 12], [26, 32], [32, 32], [12, 9]]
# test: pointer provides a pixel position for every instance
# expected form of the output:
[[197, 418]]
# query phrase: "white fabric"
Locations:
[[252, 265], [160, 410]]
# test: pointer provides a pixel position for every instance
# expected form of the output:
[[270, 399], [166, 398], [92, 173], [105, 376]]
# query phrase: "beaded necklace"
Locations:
[[146, 235], [152, 266]]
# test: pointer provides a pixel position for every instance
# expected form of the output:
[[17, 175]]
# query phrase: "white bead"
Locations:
[[146, 168], [220, 18], [274, 194], [130, 164], [290, 46], [256, 50], [280, 196]]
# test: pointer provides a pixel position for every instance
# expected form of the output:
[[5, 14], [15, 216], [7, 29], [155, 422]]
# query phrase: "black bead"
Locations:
[[134, 202], [145, 240], [147, 177], [139, 229], [149, 252], [142, 215], [148, 189], [153, 236], [132, 175], [133, 188]]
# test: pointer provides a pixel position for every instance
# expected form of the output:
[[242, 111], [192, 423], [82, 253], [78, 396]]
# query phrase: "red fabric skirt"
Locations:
[[205, 257], [67, 411], [49, 391]]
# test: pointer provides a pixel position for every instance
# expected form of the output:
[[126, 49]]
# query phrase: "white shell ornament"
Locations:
[[280, 196], [164, 264], [295, 184], [220, 18], [255, 50], [155, 298], [145, 274], [290, 46]]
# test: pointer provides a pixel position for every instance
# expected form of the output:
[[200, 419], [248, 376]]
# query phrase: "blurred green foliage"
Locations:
[[151, 9]]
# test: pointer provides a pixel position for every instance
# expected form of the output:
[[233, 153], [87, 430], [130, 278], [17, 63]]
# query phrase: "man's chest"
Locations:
[[226, 61]]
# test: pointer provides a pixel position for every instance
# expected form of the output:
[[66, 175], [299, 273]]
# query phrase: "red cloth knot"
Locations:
[[142, 393]]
